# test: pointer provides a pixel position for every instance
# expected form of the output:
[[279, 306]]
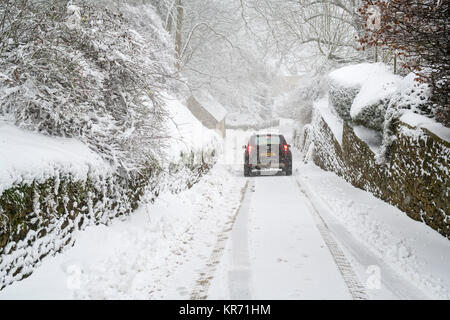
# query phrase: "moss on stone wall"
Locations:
[[39, 219], [416, 180]]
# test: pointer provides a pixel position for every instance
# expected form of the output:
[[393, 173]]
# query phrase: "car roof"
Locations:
[[267, 134]]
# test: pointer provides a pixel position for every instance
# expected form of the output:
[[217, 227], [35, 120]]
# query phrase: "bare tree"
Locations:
[[323, 28]]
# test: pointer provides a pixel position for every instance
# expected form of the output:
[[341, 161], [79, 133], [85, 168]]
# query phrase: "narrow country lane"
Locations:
[[306, 236], [242, 151], [275, 250]]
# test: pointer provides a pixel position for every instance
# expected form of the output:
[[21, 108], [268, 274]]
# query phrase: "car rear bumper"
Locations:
[[267, 166]]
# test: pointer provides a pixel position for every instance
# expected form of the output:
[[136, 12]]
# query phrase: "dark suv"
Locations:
[[267, 152]]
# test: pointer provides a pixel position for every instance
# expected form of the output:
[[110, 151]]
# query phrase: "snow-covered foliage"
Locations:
[[341, 99], [410, 97], [372, 96], [361, 92], [90, 70]]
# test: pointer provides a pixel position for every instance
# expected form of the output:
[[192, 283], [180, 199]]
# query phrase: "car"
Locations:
[[267, 152]]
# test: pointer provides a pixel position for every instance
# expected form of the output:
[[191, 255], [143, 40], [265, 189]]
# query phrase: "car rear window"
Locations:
[[269, 139]]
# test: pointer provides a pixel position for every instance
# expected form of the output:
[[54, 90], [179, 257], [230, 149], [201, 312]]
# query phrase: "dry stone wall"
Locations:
[[39, 219], [416, 180]]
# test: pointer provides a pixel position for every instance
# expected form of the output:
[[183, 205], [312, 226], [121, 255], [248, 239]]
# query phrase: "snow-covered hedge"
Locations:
[[341, 98], [363, 94], [90, 70], [40, 218], [370, 95]]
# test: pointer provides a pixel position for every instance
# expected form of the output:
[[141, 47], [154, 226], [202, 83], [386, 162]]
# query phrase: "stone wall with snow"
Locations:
[[38, 217], [416, 179]]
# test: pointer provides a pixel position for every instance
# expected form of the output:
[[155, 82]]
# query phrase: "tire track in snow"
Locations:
[[398, 286], [357, 290], [239, 274], [200, 291]]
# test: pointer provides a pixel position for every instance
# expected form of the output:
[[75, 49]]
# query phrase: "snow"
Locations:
[[103, 40], [286, 257], [248, 121], [371, 137], [374, 80], [333, 121], [140, 257], [213, 241], [374, 90], [419, 121], [353, 76], [186, 132], [74, 16], [27, 156], [211, 105], [406, 250], [412, 92]]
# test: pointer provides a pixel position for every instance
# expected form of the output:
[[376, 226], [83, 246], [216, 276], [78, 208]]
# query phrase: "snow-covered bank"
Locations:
[[186, 133], [417, 253], [27, 156], [418, 121]]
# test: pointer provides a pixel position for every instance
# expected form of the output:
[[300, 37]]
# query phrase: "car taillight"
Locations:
[[286, 148], [249, 148]]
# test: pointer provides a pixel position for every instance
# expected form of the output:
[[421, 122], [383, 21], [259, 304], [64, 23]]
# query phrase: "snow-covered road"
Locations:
[[307, 236], [276, 250]]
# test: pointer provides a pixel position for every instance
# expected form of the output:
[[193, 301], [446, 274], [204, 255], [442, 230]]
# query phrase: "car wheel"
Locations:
[[246, 171], [289, 170]]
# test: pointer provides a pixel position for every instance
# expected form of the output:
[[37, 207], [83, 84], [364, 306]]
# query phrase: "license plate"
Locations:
[[268, 154]]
